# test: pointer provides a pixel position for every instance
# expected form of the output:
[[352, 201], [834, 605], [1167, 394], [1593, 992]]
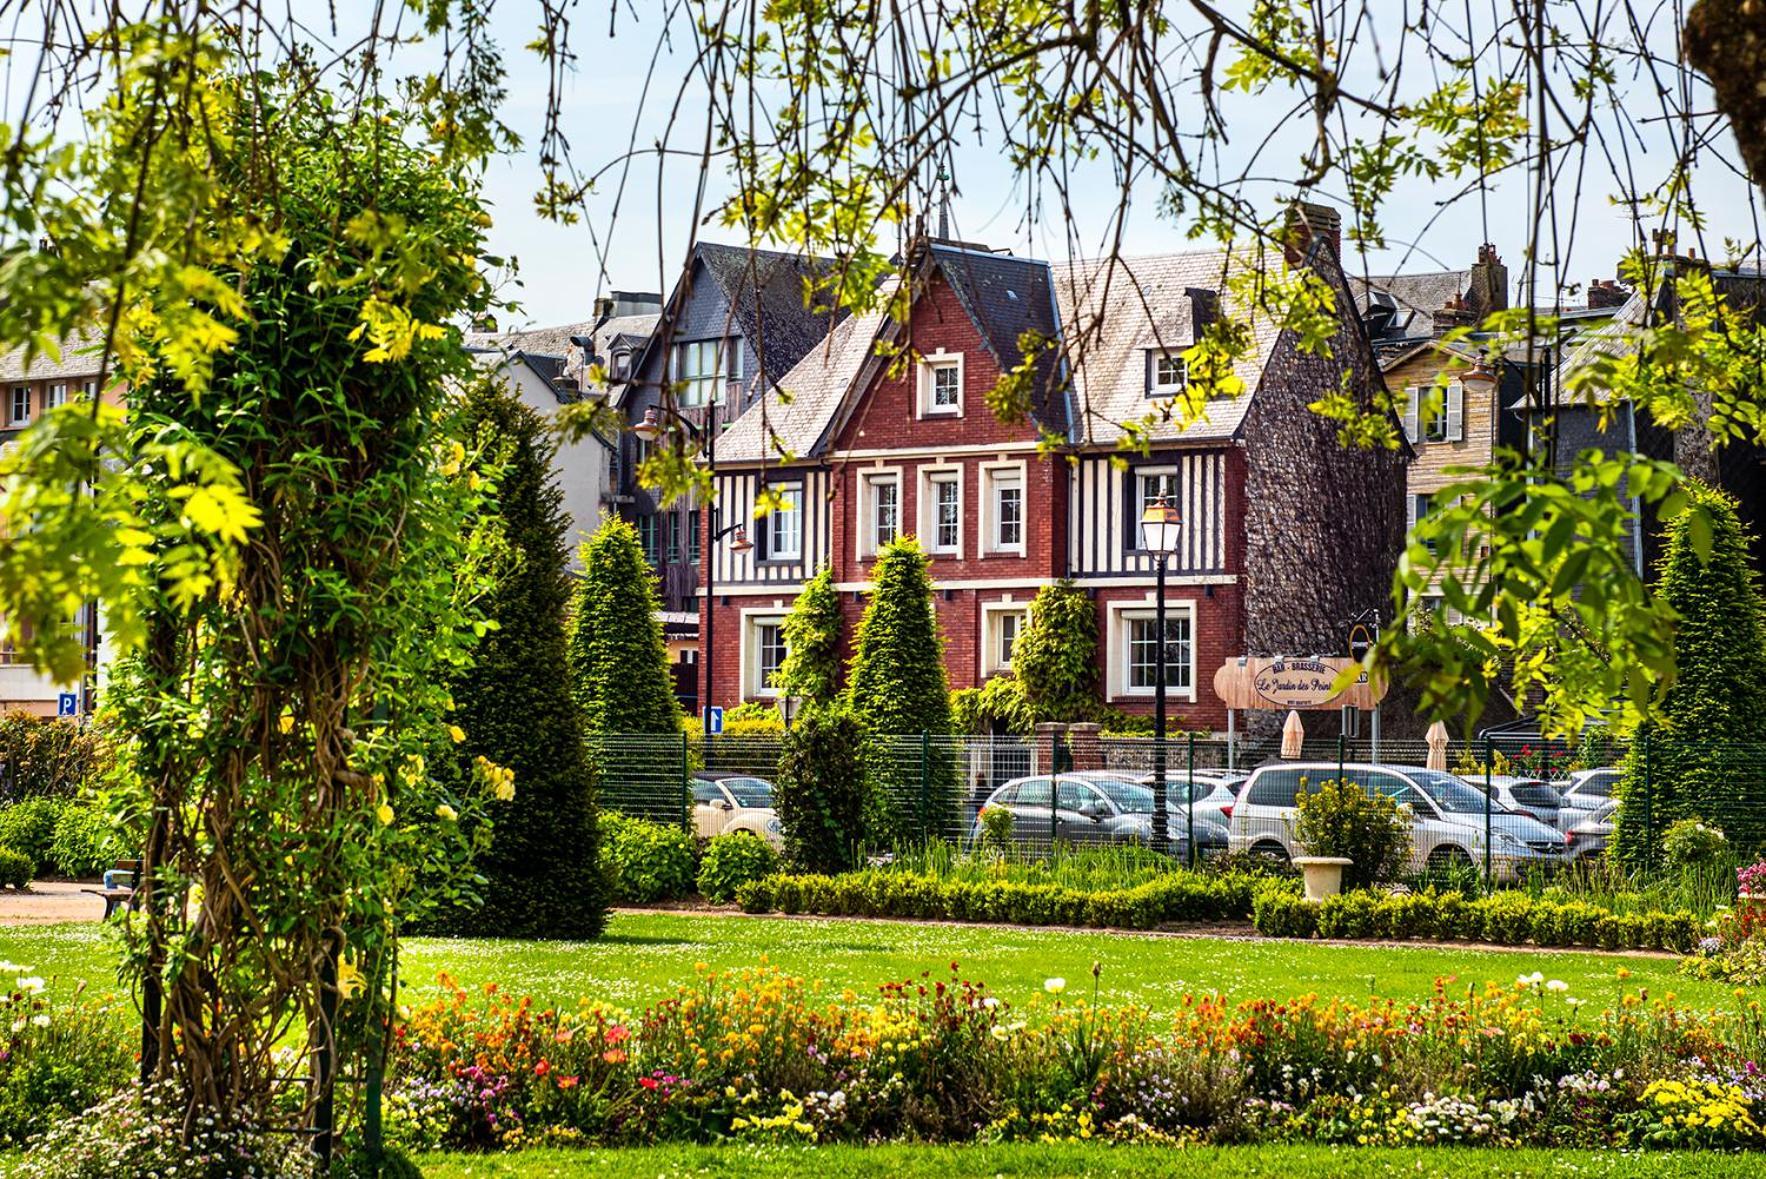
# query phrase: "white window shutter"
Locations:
[[1456, 412], [1409, 514], [1410, 412]]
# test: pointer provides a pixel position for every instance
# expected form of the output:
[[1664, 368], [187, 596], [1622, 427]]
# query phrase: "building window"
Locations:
[[944, 500], [647, 537], [1419, 509], [57, 396], [1006, 505], [941, 385], [764, 654], [21, 404], [1167, 373], [703, 368], [8, 648], [882, 510], [784, 534], [693, 537], [1143, 651], [1433, 414], [1149, 484], [1011, 622]]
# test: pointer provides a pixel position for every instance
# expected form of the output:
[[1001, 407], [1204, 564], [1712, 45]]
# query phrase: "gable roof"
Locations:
[[539, 341], [1114, 310], [1006, 296], [1415, 298], [81, 356], [795, 417]]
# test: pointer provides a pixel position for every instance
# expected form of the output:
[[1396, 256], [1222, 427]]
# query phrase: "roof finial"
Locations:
[[943, 204]]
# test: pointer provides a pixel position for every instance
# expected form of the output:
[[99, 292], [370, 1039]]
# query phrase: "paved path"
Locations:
[[49, 901]]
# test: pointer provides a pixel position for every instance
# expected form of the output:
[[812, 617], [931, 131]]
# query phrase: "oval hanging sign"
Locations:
[[1299, 681]]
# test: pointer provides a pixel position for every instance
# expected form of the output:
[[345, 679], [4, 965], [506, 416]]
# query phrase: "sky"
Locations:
[[638, 221]]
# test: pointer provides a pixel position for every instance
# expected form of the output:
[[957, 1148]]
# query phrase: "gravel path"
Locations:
[[49, 901]]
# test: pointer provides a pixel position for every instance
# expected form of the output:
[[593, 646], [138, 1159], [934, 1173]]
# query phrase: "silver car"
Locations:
[[1533, 797], [1587, 790]]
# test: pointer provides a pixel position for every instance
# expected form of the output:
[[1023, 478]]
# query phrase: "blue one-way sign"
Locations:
[[714, 719]]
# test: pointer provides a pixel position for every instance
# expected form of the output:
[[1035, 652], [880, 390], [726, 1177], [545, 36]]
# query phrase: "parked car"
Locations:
[[1533, 797], [1211, 793], [1588, 838], [1095, 807], [1447, 817], [724, 803], [1587, 790]]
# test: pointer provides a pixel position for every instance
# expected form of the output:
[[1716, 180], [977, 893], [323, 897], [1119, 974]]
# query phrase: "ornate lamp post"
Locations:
[[1160, 526], [650, 429]]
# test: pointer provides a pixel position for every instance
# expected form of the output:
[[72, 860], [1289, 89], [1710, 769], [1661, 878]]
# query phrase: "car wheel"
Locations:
[[1275, 853], [1449, 859]]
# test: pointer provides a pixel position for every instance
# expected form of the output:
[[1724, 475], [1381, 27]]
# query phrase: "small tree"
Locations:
[[1707, 757], [1056, 656], [811, 670], [823, 793], [618, 661], [1343, 819], [896, 684], [514, 703]]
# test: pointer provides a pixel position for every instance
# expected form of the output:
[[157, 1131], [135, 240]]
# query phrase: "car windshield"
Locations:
[[1598, 784], [1451, 794], [1130, 797], [750, 791], [1535, 794]]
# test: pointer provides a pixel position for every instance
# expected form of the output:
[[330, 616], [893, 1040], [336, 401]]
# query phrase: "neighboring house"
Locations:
[[1287, 534], [737, 321], [546, 368], [29, 392]]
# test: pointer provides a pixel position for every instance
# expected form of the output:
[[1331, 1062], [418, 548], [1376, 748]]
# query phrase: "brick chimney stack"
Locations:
[[1308, 222], [1454, 313], [1606, 292], [1488, 290]]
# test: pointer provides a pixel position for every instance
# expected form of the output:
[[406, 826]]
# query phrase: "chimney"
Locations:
[[1489, 284], [1455, 312], [603, 308], [1606, 292], [1308, 222]]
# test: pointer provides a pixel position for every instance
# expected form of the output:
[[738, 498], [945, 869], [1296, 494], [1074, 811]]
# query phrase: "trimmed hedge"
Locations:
[[28, 828], [1175, 896], [1506, 918], [732, 860], [15, 868], [644, 861]]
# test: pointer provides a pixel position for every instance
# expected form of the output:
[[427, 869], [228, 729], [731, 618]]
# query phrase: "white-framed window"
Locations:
[[1134, 649], [1167, 372], [89, 390], [1001, 624], [56, 396], [1420, 506], [703, 367], [941, 384], [879, 510], [941, 500], [1435, 415], [763, 652], [21, 404], [1003, 508], [784, 525], [1149, 483]]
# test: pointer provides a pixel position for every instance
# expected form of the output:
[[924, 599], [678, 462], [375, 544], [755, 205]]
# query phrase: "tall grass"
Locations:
[[1701, 889], [1115, 866]]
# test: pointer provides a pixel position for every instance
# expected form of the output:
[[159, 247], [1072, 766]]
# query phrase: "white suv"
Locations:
[[1447, 817]]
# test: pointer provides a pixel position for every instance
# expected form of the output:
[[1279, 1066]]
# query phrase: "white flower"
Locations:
[[18, 1025], [1558, 985], [1054, 986], [990, 1002], [1531, 980], [33, 984], [41, 1021], [13, 968], [1575, 1002], [1000, 1033]]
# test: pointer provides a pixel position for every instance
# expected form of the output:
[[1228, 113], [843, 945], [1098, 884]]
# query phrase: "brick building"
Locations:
[[888, 431]]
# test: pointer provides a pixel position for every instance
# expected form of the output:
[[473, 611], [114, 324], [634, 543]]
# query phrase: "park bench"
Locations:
[[114, 891]]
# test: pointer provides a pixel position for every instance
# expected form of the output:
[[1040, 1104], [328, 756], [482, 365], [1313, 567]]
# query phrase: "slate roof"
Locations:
[[813, 390], [539, 341], [1112, 311], [80, 357], [1006, 296], [1417, 297]]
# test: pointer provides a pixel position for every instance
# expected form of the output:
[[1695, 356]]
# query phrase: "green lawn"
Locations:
[[887, 1162], [644, 956]]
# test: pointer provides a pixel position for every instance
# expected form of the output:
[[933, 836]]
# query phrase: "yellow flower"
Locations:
[[349, 978], [385, 813], [446, 813], [285, 722], [456, 734]]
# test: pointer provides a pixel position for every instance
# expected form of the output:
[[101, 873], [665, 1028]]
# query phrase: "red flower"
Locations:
[[568, 1082], [647, 1082], [617, 1034], [542, 1068]]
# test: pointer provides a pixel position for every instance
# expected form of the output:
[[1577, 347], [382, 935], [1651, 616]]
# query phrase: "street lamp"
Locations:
[[649, 430], [1160, 527]]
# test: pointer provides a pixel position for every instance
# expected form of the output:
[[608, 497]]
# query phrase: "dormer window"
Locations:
[[1167, 372], [702, 368], [941, 385]]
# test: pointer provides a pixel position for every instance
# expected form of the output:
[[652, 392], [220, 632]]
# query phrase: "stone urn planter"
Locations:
[[1323, 875]]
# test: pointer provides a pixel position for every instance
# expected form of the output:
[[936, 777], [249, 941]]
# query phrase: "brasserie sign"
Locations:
[[1297, 681]]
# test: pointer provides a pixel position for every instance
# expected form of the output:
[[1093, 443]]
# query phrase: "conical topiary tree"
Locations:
[[1707, 756], [811, 670], [514, 704], [896, 688], [618, 661], [1056, 656]]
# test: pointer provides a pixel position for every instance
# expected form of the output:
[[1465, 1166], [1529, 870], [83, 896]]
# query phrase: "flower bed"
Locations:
[[756, 1055], [1507, 918], [1173, 896]]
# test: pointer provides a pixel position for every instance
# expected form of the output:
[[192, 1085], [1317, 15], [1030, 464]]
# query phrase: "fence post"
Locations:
[[1489, 759], [925, 788], [684, 792], [1341, 743], [1189, 810]]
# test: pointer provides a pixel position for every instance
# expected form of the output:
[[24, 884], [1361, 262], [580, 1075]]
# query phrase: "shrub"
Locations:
[[56, 1059], [42, 756], [811, 669], [750, 718], [618, 661], [823, 792], [15, 868], [86, 841], [1056, 655], [29, 827], [1691, 845], [645, 861], [999, 704], [731, 861], [996, 827], [1342, 819], [1284, 914], [143, 1132]]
